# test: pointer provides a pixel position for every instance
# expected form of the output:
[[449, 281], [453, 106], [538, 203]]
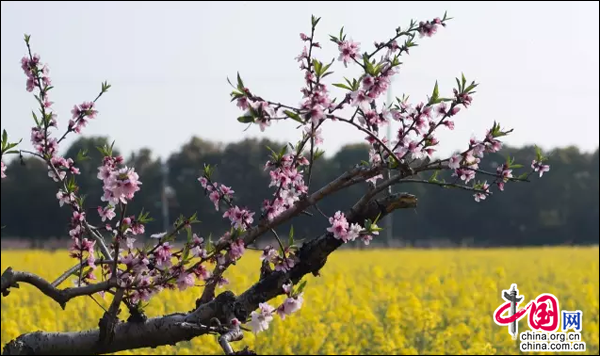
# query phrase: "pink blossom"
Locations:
[[76, 231], [504, 172], [290, 305], [366, 239], [304, 37], [368, 82], [302, 55], [185, 280], [163, 255], [348, 51], [287, 288], [478, 150], [454, 162], [465, 174], [260, 319], [237, 249], [198, 252], [137, 228], [263, 123], [441, 109], [85, 109], [269, 254], [339, 226], [479, 196], [284, 265], [242, 103], [3, 170], [215, 197], [91, 260], [316, 114], [222, 281], [316, 135], [449, 124], [354, 232], [360, 98], [203, 182], [226, 191], [61, 175], [201, 272], [122, 185], [107, 212], [539, 167], [494, 146], [196, 240], [64, 197], [240, 218], [427, 28], [289, 196]]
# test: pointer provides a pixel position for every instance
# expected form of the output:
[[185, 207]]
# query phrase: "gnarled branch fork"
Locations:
[[12, 278], [174, 328]]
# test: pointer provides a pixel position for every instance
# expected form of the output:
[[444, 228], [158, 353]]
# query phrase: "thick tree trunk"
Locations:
[[171, 329]]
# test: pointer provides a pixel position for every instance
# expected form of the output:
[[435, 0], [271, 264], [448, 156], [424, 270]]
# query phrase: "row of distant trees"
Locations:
[[563, 209]]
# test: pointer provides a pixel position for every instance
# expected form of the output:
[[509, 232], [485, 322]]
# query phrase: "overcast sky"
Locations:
[[168, 63]]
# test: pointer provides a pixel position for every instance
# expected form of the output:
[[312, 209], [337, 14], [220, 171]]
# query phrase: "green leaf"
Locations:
[[538, 154], [377, 218], [283, 151], [186, 252], [301, 287], [470, 87], [433, 177], [318, 67], [294, 116], [240, 85], [523, 176], [318, 154], [515, 166], [435, 95], [245, 119], [343, 86], [105, 86], [291, 237], [82, 155], [327, 67], [4, 138], [369, 68], [315, 21]]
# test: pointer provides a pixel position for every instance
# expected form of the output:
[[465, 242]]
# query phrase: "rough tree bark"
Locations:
[[174, 328]]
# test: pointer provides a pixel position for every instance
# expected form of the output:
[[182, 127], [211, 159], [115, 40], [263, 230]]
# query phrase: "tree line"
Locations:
[[563, 209]]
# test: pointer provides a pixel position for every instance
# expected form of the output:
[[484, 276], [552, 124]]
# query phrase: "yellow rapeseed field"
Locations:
[[373, 302]]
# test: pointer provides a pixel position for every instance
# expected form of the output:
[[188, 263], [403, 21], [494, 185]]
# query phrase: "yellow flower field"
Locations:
[[373, 302]]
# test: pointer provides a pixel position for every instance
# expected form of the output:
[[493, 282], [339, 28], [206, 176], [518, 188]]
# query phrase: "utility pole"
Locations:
[[164, 197]]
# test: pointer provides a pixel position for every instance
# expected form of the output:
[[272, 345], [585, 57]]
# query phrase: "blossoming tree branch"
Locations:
[[109, 265]]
